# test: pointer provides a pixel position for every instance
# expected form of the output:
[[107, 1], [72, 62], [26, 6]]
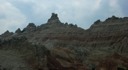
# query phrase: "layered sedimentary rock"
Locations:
[[62, 46]]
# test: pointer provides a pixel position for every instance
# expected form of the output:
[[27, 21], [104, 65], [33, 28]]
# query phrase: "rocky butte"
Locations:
[[62, 46]]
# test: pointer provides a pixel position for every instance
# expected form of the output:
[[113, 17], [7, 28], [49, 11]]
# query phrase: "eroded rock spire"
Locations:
[[54, 19]]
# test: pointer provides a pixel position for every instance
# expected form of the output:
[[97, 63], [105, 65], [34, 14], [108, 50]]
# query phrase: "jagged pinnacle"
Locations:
[[54, 19], [18, 31]]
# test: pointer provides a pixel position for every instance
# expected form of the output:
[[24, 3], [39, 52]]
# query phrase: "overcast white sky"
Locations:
[[18, 13]]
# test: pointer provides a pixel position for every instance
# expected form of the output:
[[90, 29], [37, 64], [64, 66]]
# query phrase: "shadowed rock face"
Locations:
[[113, 62], [54, 19], [18, 31], [6, 34], [110, 24], [59, 46], [30, 28]]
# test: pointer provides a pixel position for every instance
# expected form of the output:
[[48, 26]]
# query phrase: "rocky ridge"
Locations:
[[62, 46]]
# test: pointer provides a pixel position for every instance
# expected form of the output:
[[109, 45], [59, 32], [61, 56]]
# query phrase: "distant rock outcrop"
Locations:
[[18, 31], [30, 28], [6, 34], [110, 24], [54, 19]]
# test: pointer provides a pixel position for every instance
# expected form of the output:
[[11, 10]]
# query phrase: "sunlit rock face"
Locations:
[[58, 46]]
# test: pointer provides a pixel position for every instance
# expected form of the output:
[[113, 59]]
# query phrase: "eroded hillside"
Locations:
[[62, 46]]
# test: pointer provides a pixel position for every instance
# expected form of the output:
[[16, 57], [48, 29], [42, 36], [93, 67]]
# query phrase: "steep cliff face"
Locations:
[[62, 46]]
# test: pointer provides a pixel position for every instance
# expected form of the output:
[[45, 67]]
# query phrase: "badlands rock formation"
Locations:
[[62, 46]]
